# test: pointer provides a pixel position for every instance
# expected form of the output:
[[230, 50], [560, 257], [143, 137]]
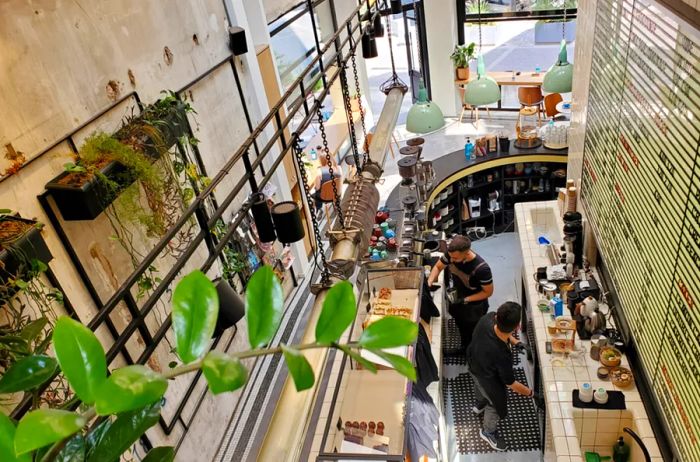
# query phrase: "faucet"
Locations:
[[639, 441]]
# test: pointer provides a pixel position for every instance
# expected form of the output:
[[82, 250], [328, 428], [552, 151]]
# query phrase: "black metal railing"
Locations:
[[336, 48]]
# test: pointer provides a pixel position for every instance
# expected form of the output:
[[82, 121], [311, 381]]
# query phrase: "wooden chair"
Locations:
[[531, 97], [465, 107], [550, 105], [327, 195]]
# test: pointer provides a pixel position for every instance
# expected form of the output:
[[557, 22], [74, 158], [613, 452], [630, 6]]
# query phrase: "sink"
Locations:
[[544, 223]]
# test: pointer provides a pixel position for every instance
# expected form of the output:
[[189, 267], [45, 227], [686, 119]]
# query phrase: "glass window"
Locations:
[[512, 6], [293, 44]]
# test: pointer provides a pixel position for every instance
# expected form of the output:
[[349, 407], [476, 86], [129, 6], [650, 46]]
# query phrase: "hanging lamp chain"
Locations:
[[394, 81], [298, 155], [324, 138], [418, 35], [478, 5], [348, 113], [563, 24], [361, 110]]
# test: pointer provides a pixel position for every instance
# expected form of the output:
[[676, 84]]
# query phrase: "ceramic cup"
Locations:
[[585, 393], [600, 396]]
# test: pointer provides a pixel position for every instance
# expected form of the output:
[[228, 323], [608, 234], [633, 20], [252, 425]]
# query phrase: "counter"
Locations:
[[570, 431]]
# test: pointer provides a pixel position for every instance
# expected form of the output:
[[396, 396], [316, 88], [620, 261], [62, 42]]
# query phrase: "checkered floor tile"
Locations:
[[520, 428], [452, 341]]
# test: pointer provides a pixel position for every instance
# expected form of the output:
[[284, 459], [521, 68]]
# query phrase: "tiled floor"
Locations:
[[502, 252]]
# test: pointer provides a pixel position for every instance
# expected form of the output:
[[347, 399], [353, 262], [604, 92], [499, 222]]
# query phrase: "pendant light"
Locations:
[[288, 223], [262, 218], [424, 116], [377, 26], [483, 90], [559, 77], [369, 45]]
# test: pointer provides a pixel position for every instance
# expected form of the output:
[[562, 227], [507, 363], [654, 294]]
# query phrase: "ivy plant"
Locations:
[[119, 407]]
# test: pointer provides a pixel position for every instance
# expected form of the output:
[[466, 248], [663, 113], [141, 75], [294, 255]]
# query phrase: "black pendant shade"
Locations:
[[262, 218], [377, 26], [231, 307], [395, 6], [369, 46], [287, 219]]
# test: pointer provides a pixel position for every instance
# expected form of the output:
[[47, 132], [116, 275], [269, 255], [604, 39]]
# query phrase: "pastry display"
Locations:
[[368, 434], [384, 293]]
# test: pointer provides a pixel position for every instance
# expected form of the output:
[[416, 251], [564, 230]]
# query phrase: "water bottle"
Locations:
[[467, 149], [313, 154], [558, 306]]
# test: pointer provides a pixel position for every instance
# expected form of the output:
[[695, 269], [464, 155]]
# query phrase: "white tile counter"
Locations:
[[572, 431]]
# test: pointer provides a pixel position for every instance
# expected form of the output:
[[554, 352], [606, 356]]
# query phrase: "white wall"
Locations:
[[441, 29]]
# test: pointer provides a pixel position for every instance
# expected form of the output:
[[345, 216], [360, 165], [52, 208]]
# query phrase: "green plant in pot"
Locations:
[[461, 56], [128, 401]]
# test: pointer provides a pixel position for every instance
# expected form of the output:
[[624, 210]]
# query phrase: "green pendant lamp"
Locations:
[[483, 90], [559, 77], [424, 116]]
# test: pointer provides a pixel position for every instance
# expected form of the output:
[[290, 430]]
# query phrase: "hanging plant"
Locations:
[[20, 244]]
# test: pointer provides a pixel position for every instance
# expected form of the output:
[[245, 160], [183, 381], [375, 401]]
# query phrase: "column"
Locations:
[[441, 33]]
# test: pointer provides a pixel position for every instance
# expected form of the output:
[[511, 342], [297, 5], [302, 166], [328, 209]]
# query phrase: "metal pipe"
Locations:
[[382, 136]]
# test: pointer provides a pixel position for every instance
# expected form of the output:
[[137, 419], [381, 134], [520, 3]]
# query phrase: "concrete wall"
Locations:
[[63, 62]]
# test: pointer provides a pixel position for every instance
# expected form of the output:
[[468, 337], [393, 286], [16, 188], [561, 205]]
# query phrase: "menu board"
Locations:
[[641, 193]]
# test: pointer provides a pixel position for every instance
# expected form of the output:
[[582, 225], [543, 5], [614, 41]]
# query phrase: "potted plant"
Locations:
[[461, 56], [157, 128], [87, 187], [20, 243]]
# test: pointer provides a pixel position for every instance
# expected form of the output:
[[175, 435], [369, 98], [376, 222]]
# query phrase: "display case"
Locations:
[[367, 416]]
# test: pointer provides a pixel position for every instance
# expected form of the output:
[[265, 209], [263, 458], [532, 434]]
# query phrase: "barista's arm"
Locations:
[[521, 389], [486, 292], [435, 272]]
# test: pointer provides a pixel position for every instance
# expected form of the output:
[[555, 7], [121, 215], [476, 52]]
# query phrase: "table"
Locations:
[[336, 128], [526, 78], [564, 110]]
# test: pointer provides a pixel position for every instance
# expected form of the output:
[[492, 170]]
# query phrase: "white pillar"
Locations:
[[250, 16], [441, 34]]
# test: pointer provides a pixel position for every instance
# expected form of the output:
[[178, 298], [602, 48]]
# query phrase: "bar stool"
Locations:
[[327, 194], [531, 97]]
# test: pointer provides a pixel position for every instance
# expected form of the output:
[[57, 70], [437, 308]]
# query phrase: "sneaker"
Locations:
[[494, 441], [478, 410]]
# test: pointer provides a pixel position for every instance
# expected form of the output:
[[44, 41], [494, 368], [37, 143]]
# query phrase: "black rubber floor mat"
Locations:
[[520, 428], [451, 341]]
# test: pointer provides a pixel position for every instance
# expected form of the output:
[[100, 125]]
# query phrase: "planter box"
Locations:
[[18, 253], [173, 127], [550, 32], [87, 200]]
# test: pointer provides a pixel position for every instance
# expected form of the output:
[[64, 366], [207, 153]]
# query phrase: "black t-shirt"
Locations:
[[489, 357], [480, 278]]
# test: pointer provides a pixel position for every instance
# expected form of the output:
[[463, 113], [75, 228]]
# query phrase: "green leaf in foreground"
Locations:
[[130, 388], [299, 368], [337, 313], [389, 332], [73, 451], [161, 454], [367, 364], [28, 373], [7, 442], [81, 357], [45, 426], [195, 309], [223, 373], [118, 436], [402, 365], [264, 303]]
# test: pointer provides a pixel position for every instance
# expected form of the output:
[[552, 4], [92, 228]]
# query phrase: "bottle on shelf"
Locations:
[[469, 150], [312, 154]]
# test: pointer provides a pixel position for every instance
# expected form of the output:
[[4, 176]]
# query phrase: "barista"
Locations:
[[472, 284]]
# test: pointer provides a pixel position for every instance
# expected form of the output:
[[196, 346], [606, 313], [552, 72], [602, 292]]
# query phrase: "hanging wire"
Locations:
[[418, 37], [348, 114], [394, 81], [336, 195], [311, 204], [563, 24], [478, 5]]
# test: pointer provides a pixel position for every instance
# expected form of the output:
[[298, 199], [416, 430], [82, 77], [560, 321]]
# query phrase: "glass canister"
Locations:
[[527, 123]]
